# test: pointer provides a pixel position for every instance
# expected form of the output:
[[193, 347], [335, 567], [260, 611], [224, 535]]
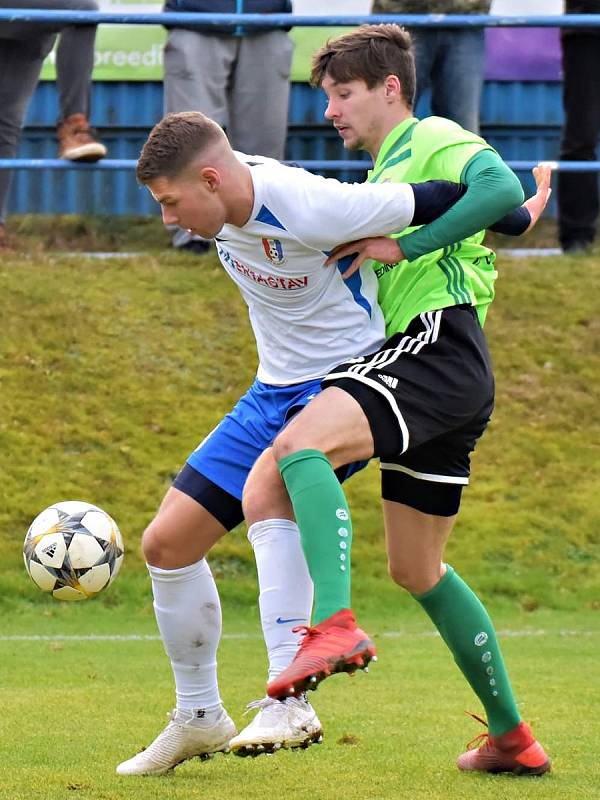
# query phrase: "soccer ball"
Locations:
[[73, 550]]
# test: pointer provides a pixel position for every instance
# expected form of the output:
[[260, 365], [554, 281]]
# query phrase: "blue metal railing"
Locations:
[[111, 165], [208, 21], [251, 21]]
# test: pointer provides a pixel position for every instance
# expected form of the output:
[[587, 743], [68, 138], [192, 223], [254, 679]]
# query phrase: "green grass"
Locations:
[[112, 371], [73, 709]]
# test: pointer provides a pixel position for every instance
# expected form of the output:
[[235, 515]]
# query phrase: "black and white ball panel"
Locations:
[[73, 549]]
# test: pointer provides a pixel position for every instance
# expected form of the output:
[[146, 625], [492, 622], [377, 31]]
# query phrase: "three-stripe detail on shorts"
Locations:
[[406, 346]]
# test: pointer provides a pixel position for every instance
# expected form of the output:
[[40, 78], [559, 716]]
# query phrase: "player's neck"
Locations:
[[390, 123], [240, 195]]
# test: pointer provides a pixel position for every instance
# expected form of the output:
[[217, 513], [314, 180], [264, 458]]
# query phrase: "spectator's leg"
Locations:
[[20, 66], [458, 82], [75, 62], [260, 92], [197, 70], [578, 191], [424, 48]]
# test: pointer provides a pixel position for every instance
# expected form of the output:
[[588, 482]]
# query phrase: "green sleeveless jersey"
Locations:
[[416, 151]]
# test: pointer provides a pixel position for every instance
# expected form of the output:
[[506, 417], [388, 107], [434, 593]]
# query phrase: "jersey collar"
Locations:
[[395, 139]]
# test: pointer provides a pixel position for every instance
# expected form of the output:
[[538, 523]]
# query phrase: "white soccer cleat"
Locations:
[[279, 723], [180, 740]]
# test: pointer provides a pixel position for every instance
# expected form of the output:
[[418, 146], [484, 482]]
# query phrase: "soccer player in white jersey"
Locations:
[[273, 226]]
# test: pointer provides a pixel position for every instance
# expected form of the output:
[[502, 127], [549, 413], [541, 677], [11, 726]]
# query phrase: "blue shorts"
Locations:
[[215, 473]]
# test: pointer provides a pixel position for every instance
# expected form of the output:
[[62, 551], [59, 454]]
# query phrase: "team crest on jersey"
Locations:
[[274, 251]]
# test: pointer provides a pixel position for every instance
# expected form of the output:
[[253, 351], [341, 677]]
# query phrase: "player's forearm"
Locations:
[[434, 198], [493, 190], [514, 223]]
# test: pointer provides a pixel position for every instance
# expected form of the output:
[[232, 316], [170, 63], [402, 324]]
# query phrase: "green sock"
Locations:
[[322, 514], [467, 629]]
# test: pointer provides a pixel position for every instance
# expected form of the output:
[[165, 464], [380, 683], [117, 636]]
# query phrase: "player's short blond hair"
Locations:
[[174, 143], [369, 53]]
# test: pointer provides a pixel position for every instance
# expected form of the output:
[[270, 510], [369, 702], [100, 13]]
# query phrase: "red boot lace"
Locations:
[[309, 635], [482, 739]]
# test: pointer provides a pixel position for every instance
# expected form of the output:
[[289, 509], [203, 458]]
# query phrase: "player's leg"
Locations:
[[415, 545], [285, 593], [422, 491], [285, 602], [275, 540], [376, 408], [330, 432], [188, 614], [203, 503]]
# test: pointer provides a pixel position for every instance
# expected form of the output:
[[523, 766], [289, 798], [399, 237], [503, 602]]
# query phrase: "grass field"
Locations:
[[111, 371], [73, 709]]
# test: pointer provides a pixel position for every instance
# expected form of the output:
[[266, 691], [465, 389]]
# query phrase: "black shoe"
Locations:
[[198, 247], [577, 248]]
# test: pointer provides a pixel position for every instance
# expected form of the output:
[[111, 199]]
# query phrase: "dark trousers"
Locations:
[[578, 191]]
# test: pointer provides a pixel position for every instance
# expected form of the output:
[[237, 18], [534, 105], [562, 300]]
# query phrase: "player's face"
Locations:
[[356, 112], [190, 202]]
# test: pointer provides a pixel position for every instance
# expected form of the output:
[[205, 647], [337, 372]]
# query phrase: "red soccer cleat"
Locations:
[[334, 645], [515, 751]]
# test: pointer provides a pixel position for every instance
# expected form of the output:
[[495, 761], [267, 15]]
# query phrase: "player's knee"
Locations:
[[155, 545], [254, 505], [263, 500], [288, 442], [405, 576]]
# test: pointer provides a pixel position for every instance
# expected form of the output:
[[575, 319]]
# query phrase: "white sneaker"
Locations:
[[180, 740], [279, 723]]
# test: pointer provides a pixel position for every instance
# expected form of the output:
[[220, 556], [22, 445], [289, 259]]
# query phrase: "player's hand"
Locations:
[[379, 248], [538, 202]]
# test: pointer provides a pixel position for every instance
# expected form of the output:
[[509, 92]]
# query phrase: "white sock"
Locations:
[[188, 613], [286, 590]]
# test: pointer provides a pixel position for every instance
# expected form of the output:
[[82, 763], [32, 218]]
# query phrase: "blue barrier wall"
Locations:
[[521, 119]]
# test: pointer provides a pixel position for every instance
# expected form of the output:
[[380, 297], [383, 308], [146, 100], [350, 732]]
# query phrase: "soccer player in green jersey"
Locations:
[[419, 404]]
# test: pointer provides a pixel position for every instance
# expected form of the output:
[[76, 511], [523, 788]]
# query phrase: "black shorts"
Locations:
[[428, 395]]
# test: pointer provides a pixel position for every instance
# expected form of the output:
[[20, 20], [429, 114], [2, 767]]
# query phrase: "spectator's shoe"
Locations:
[[334, 645], [76, 142], [199, 247], [577, 247], [179, 741], [515, 751], [185, 242], [279, 723]]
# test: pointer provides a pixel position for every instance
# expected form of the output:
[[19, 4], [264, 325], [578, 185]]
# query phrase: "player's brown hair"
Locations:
[[370, 53], [173, 144]]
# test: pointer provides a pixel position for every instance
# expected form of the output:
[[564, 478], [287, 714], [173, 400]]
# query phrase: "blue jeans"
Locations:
[[451, 63]]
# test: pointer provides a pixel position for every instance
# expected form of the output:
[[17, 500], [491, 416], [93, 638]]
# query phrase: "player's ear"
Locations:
[[392, 87], [211, 178]]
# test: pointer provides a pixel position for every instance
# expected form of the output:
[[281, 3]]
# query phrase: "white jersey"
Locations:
[[305, 317]]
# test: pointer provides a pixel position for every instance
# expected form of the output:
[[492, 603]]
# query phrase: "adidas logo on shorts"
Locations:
[[388, 380]]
